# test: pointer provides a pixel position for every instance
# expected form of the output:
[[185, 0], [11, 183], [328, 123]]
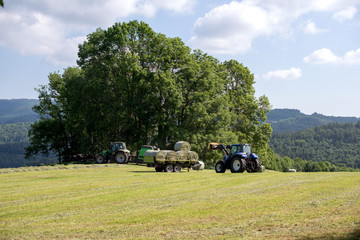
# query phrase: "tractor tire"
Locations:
[[238, 165], [120, 157], [100, 159], [177, 168], [159, 168], [220, 167], [257, 165], [169, 168]]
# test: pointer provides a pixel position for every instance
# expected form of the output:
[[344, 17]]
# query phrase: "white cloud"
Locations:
[[53, 29], [352, 57], [310, 28], [288, 74], [231, 28], [345, 14], [326, 56], [322, 56]]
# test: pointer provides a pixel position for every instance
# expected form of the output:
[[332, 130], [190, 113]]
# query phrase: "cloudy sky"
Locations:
[[304, 54]]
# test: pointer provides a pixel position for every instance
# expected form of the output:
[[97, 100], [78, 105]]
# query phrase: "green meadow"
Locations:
[[135, 202]]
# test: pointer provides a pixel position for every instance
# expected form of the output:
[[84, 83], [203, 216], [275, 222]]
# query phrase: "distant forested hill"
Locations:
[[334, 142], [16, 116], [13, 140], [17, 110], [289, 120]]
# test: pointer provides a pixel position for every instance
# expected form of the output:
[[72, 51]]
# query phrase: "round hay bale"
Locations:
[[161, 156], [171, 157], [182, 146], [192, 156], [182, 156]]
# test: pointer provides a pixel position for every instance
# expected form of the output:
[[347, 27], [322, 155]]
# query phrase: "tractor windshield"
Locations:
[[117, 146], [246, 149], [240, 149]]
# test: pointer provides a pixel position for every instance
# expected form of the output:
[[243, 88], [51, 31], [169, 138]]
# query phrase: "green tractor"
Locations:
[[117, 153]]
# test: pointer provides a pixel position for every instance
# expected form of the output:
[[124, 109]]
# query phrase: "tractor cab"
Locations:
[[243, 150], [240, 148], [117, 146]]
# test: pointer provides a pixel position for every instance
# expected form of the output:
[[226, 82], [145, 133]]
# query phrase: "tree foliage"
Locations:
[[135, 85]]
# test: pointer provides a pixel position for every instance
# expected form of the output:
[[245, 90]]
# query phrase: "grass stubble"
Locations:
[[134, 202]]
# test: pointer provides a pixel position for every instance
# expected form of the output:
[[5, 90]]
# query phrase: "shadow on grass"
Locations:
[[355, 235]]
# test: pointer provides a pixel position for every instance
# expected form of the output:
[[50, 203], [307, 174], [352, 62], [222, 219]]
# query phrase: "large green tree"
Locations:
[[135, 85]]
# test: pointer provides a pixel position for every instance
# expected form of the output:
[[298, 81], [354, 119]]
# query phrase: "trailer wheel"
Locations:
[[237, 165], [220, 167], [158, 168], [100, 159], [120, 157], [177, 168], [169, 168]]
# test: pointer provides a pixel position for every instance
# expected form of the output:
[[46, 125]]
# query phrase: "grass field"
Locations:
[[134, 202]]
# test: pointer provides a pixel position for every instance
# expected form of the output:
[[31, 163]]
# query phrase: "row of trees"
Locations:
[[285, 163], [334, 142], [141, 87]]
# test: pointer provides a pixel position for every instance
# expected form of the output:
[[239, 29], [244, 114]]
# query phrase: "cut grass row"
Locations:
[[134, 202]]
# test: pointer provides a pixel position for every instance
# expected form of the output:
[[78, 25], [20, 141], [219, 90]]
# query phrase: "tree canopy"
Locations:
[[135, 85]]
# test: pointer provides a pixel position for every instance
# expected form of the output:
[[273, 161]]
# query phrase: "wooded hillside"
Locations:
[[337, 143], [290, 120], [17, 110]]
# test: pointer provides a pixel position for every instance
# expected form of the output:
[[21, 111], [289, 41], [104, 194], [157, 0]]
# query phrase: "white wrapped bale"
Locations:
[[199, 166], [182, 146], [150, 155]]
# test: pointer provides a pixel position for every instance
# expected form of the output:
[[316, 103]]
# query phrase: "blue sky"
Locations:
[[304, 54]]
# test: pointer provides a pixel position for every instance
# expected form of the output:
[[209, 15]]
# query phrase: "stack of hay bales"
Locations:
[[182, 155]]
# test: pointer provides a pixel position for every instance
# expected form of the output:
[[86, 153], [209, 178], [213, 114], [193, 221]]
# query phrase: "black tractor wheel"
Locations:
[[177, 168], [120, 157], [237, 165], [220, 167], [257, 165], [169, 168], [100, 159]]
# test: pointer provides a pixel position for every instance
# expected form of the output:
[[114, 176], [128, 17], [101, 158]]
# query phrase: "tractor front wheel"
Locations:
[[120, 157], [220, 167]]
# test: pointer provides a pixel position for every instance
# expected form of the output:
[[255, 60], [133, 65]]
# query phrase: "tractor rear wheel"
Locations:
[[177, 168], [237, 165], [100, 159], [257, 165], [169, 168], [120, 157], [220, 167]]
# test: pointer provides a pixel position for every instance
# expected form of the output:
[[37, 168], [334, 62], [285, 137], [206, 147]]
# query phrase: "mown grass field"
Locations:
[[134, 202]]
